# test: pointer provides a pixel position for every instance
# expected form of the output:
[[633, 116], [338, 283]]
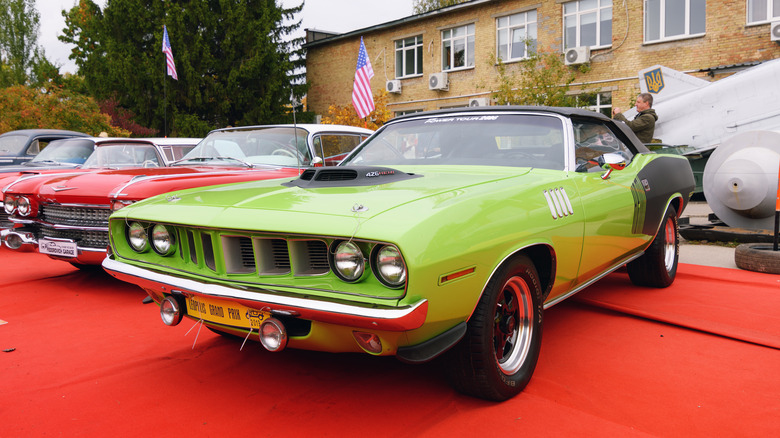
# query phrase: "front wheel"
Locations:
[[497, 356], [657, 267]]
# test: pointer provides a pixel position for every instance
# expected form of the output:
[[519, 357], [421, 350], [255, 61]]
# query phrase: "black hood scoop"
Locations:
[[348, 176]]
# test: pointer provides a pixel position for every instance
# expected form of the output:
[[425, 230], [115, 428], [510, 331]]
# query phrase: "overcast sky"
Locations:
[[332, 15]]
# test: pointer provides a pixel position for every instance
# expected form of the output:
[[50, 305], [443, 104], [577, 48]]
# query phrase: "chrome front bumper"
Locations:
[[387, 318], [20, 239]]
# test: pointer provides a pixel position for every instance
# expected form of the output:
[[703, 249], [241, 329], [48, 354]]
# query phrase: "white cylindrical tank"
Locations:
[[740, 180]]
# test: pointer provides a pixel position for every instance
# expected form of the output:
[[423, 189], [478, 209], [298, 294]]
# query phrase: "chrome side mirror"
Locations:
[[317, 162], [612, 161]]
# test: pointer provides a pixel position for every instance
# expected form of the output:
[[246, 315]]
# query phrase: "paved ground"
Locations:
[[698, 254]]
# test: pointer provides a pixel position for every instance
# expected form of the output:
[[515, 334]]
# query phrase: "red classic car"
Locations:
[[90, 154], [66, 215]]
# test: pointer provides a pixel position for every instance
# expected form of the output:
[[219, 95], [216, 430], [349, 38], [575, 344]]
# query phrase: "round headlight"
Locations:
[[23, 206], [9, 204], [136, 236], [389, 266], [163, 241], [348, 261]]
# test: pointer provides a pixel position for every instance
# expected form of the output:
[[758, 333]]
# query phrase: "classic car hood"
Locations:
[[236, 205], [140, 183]]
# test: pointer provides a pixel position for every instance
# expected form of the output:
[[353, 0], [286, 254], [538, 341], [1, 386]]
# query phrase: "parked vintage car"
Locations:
[[74, 152], [447, 231], [21, 146], [66, 216], [90, 154]]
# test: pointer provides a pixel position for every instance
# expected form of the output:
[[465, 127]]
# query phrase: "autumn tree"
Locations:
[[236, 62], [347, 115], [422, 6], [24, 107]]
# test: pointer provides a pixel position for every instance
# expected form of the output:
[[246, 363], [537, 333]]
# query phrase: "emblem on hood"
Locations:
[[62, 188]]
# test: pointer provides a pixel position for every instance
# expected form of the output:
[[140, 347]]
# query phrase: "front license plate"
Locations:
[[58, 248], [225, 312]]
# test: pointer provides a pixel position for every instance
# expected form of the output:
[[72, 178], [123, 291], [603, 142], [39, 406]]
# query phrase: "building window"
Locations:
[[457, 47], [674, 19], [516, 36], [599, 102], [587, 23], [762, 11], [409, 57], [405, 112]]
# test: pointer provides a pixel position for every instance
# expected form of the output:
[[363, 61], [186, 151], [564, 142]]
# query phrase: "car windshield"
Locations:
[[71, 151], [123, 155], [280, 146], [12, 145], [487, 139]]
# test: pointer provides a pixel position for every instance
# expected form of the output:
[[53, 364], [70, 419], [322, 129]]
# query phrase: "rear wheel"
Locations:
[[657, 267], [497, 356]]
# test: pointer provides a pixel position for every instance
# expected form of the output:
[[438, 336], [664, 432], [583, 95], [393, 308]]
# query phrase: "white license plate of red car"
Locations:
[[58, 248]]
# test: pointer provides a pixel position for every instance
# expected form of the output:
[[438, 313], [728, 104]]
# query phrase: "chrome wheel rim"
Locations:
[[670, 244], [513, 325]]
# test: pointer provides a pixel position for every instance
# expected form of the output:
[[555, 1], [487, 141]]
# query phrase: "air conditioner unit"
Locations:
[[576, 55], [774, 31], [479, 101], [438, 81], [393, 86]]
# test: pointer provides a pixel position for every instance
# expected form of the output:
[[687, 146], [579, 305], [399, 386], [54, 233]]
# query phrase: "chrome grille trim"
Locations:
[[88, 216]]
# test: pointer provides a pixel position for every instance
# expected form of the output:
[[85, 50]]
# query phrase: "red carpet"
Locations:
[[90, 360]]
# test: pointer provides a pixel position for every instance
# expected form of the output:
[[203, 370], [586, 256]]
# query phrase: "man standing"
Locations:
[[643, 124]]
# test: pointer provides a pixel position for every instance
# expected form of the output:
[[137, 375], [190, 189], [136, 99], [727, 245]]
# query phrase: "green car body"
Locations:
[[456, 226]]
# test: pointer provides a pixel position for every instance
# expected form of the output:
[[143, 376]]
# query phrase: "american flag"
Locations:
[[169, 54], [362, 98]]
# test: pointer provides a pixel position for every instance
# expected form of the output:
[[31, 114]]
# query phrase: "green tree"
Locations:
[[422, 6], [233, 63], [22, 61], [542, 79]]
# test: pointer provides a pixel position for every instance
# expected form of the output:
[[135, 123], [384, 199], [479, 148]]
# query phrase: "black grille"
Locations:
[[318, 255], [307, 175], [337, 175], [4, 222], [280, 255]]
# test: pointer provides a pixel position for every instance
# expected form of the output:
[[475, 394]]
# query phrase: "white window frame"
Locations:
[[602, 7], [772, 11], [401, 50], [468, 39], [524, 22], [662, 22]]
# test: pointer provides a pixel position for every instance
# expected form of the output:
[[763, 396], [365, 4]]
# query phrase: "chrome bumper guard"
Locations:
[[367, 317]]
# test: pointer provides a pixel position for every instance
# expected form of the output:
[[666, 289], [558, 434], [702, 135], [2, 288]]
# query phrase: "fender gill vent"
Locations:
[[559, 202]]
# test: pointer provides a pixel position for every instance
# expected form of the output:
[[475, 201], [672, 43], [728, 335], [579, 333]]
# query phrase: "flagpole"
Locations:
[[165, 95]]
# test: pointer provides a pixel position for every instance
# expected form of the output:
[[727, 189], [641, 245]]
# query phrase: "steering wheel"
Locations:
[[286, 152], [150, 163]]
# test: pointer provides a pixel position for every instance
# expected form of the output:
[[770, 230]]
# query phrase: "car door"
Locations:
[[613, 207]]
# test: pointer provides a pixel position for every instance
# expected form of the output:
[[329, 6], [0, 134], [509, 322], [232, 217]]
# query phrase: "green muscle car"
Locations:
[[444, 233]]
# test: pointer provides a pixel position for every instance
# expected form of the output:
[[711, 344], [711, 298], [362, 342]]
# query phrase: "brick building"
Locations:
[[707, 39]]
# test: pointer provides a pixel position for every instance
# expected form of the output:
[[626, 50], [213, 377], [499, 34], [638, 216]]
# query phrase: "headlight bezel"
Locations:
[[9, 204], [339, 254], [142, 233], [378, 265], [23, 206], [162, 229]]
